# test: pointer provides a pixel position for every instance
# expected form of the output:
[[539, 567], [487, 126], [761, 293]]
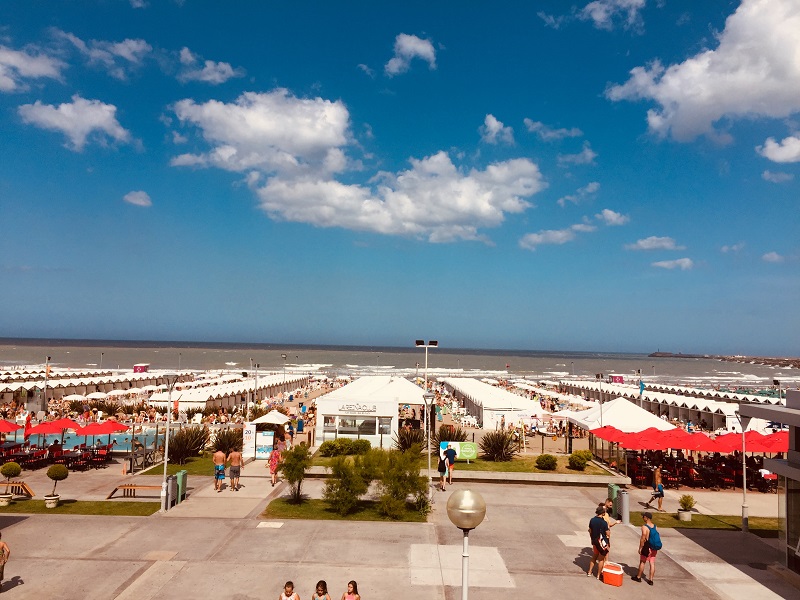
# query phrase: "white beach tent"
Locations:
[[622, 414], [489, 404], [273, 417]]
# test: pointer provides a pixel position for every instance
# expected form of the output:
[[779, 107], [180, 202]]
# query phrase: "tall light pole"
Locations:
[[778, 383], [466, 510], [654, 370], [46, 373], [743, 421], [170, 378], [101, 360], [256, 386], [428, 398], [180, 354], [572, 366], [283, 356], [599, 377], [430, 344]]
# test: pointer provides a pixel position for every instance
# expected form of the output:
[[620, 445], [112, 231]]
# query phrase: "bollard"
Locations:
[[624, 508]]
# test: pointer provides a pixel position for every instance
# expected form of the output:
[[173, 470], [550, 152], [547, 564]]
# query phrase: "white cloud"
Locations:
[[366, 70], [549, 134], [785, 151], [433, 199], [138, 198], [211, 72], [753, 72], [493, 131], [177, 138], [772, 257], [584, 157], [18, 65], [603, 13], [530, 241], [116, 57], [77, 120], [684, 264], [406, 48], [611, 218], [551, 20], [272, 131], [655, 243], [777, 177], [732, 248], [580, 194], [138, 3]]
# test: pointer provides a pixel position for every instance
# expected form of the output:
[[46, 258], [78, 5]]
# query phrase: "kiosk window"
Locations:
[[330, 423], [347, 425], [385, 425], [366, 426]]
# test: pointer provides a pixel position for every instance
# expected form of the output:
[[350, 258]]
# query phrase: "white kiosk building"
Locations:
[[365, 409]]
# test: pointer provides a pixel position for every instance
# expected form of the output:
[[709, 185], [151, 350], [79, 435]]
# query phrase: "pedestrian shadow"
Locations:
[[11, 583]]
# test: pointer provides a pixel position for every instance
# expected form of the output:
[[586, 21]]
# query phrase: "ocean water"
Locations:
[[350, 360]]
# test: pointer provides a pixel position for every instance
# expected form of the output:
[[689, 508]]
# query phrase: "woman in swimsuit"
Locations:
[[274, 463], [322, 591], [352, 591]]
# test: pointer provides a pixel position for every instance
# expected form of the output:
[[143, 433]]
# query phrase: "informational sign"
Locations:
[[249, 441], [264, 444], [464, 450]]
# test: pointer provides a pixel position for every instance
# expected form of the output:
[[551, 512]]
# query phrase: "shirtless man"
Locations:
[[219, 469], [4, 554], [237, 464]]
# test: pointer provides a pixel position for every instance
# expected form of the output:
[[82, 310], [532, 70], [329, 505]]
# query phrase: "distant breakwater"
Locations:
[[770, 361]]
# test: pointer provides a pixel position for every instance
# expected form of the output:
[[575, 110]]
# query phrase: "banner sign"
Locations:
[[249, 441], [264, 444], [464, 450]]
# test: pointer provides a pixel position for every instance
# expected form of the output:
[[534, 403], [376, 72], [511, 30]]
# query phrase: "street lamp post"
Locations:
[[283, 356], [743, 421], [572, 365], [101, 360], [599, 377], [170, 378], [466, 510], [428, 397], [46, 373], [255, 391], [180, 354]]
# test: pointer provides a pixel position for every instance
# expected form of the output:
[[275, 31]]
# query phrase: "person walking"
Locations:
[[450, 455], [658, 489], [237, 464], [598, 535], [5, 553], [274, 464], [321, 591], [352, 591], [649, 545], [442, 468], [219, 470], [608, 517]]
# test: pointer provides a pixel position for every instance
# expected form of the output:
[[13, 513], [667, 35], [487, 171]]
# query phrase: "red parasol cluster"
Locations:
[[678, 439]]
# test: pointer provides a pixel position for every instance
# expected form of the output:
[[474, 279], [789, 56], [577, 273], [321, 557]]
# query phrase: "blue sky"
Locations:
[[615, 175]]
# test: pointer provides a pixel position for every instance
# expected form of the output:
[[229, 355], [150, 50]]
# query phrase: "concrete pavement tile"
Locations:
[[149, 583]]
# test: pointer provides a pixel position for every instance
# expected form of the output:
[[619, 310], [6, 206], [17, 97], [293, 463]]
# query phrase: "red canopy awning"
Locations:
[[45, 428], [608, 433], [104, 428], [8, 426], [777, 442]]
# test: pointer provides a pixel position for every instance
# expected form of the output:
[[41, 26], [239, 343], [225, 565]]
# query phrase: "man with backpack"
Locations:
[[649, 545]]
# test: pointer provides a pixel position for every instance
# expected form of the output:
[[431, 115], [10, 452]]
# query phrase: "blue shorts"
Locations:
[[219, 471]]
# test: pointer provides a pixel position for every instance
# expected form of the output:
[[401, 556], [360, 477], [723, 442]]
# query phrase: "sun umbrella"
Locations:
[[608, 433], [8, 426], [777, 442], [103, 428], [97, 396], [273, 417], [113, 393], [74, 397], [45, 428], [733, 441], [649, 439]]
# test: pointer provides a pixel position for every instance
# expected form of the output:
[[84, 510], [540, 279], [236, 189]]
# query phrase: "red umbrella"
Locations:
[[106, 427], [608, 433], [733, 441], [8, 426], [677, 438], [649, 439], [45, 428], [777, 442], [66, 423], [701, 443]]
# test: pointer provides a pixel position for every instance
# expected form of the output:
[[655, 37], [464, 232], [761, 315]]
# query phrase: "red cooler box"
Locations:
[[612, 574]]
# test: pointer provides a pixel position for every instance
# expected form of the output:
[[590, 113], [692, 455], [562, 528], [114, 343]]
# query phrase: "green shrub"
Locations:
[[399, 480], [9, 471], [577, 461], [340, 447], [686, 502], [228, 440], [345, 486], [406, 439], [448, 434], [294, 465], [186, 443], [361, 446], [498, 446], [57, 473], [546, 462], [587, 454]]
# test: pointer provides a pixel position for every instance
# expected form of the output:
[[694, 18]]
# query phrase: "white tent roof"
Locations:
[[622, 414], [378, 387], [493, 398]]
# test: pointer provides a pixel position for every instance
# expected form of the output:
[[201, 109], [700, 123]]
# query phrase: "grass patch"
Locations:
[[366, 510], [764, 527], [202, 465], [520, 464], [75, 507]]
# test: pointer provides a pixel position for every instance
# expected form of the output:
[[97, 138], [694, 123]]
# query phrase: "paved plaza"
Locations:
[[532, 544]]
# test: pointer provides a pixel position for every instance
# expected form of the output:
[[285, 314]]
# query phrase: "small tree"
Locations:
[[577, 461], [228, 440], [405, 439], [399, 480], [186, 443], [345, 486], [546, 462], [294, 465], [9, 471], [686, 502], [498, 446], [57, 473]]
